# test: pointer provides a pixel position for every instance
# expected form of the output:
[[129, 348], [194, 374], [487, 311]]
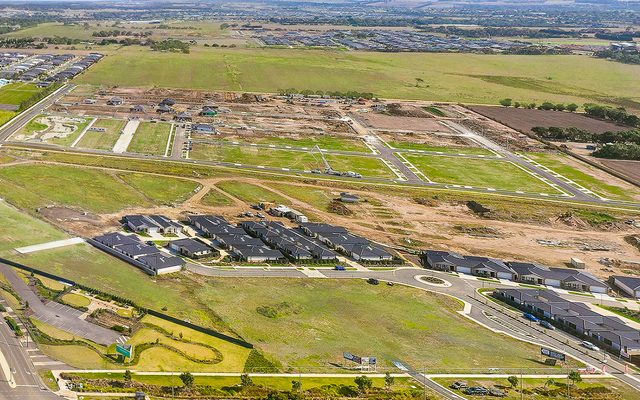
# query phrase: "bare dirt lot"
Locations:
[[628, 168], [523, 119], [382, 121]]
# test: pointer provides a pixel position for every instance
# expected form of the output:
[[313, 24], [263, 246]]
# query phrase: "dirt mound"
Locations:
[[572, 220], [339, 208]]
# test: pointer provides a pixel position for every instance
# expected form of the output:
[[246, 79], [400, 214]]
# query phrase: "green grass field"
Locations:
[[16, 93], [76, 300], [315, 197], [161, 190], [102, 140], [31, 228], [150, 138], [51, 29], [5, 116], [478, 173], [252, 194], [215, 198], [328, 142], [301, 160], [472, 78], [89, 189], [444, 149], [583, 176]]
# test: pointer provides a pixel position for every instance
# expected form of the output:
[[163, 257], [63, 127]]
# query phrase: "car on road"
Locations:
[[477, 390], [530, 317], [373, 281], [547, 324], [589, 346], [459, 385], [339, 268]]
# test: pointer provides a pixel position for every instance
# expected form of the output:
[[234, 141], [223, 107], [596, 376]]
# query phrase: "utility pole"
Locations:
[[424, 377], [521, 390]]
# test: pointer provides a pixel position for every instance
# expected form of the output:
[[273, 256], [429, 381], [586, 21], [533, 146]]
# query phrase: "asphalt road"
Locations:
[[57, 314]]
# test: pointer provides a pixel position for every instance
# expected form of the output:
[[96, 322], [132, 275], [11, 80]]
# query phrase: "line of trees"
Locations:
[[170, 45], [571, 107], [619, 115], [116, 32], [626, 57], [623, 145], [351, 94], [619, 151]]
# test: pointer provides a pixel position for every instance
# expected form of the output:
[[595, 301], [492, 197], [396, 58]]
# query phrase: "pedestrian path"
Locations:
[[49, 245]]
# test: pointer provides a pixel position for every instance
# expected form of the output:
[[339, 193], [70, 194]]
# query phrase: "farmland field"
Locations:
[[150, 138], [479, 173], [102, 140], [587, 176], [16, 93], [468, 78], [301, 160]]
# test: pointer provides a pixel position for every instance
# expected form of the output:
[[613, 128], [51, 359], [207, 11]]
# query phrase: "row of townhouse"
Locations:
[[565, 278], [341, 240], [152, 224], [577, 318], [234, 239], [290, 241], [130, 248]]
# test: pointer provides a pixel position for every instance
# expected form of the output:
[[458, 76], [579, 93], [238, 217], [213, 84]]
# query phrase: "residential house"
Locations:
[[629, 285], [151, 224], [115, 101], [192, 248]]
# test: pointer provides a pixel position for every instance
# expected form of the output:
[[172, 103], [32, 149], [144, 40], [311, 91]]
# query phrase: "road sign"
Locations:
[[552, 353], [125, 349]]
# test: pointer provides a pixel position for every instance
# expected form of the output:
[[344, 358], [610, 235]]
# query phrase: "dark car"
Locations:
[[478, 390], [340, 268], [546, 324], [373, 281]]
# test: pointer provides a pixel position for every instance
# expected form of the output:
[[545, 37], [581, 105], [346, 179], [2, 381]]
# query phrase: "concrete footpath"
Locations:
[[49, 245], [125, 137]]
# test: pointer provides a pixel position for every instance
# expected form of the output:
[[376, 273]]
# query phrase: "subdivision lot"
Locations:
[[478, 173], [150, 138], [382, 121], [444, 149], [587, 176], [15, 93], [323, 141], [89, 189], [102, 140], [54, 129], [301, 160], [524, 119], [467, 78], [249, 193], [216, 198]]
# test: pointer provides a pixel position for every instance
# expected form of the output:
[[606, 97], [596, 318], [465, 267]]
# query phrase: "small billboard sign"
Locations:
[[552, 353], [125, 349]]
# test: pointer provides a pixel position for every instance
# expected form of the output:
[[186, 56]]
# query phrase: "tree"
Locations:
[[572, 107], [574, 376], [388, 380], [549, 382], [560, 107], [296, 386], [245, 381], [187, 379], [506, 102], [364, 383], [547, 106], [517, 104], [513, 380], [127, 376]]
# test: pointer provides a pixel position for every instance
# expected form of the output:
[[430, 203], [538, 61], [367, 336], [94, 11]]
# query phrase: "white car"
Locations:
[[590, 346]]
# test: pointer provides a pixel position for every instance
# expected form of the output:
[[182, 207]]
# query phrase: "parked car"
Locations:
[[478, 390], [339, 268], [590, 346], [390, 283], [260, 215], [547, 324], [373, 281], [497, 392], [459, 385], [530, 317]]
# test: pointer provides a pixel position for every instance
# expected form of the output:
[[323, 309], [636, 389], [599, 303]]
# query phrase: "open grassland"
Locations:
[[31, 230], [215, 198], [589, 388], [585, 175], [5, 116], [442, 149], [51, 29], [16, 93], [249, 193], [315, 197], [327, 142], [470, 78], [478, 173], [150, 138], [161, 190], [102, 140], [89, 189], [300, 160]]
